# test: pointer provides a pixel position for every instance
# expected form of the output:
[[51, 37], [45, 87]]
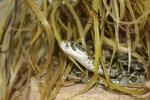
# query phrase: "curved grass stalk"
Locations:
[[45, 7], [37, 34], [135, 25], [50, 83], [13, 76], [62, 24], [67, 28], [53, 85], [97, 42], [132, 92], [8, 9], [117, 42], [53, 21], [116, 13], [79, 25], [15, 67], [147, 7], [69, 32], [129, 48], [113, 55], [31, 62], [123, 49], [46, 26], [58, 77], [148, 45], [63, 74], [103, 59], [4, 47], [137, 20], [22, 21], [87, 28], [88, 25], [97, 53], [122, 9]]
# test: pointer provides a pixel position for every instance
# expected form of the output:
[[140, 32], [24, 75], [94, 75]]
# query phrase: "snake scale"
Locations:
[[117, 74]]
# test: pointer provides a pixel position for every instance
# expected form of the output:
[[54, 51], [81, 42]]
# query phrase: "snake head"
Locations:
[[74, 50]]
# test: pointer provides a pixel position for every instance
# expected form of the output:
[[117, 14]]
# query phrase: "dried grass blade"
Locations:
[[8, 9], [46, 26], [53, 21], [122, 9], [79, 25]]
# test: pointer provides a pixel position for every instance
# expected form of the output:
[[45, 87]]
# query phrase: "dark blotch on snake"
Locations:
[[67, 46], [79, 47], [72, 46], [133, 78]]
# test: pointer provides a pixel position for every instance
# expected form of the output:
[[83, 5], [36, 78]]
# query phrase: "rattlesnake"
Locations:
[[117, 74]]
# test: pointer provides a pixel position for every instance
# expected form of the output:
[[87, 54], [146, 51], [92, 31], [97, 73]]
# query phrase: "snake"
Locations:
[[118, 75]]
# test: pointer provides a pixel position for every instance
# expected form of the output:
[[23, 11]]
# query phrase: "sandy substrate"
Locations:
[[96, 93], [32, 92]]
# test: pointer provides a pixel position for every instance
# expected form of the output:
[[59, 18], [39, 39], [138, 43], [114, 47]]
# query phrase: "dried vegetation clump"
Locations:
[[31, 31]]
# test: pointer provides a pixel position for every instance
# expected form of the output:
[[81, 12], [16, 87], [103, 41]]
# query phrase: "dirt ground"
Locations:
[[96, 93], [32, 92]]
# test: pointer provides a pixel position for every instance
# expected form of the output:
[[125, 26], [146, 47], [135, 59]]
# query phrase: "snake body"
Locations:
[[117, 74]]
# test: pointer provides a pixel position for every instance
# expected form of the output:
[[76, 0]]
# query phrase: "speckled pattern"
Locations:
[[117, 74]]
